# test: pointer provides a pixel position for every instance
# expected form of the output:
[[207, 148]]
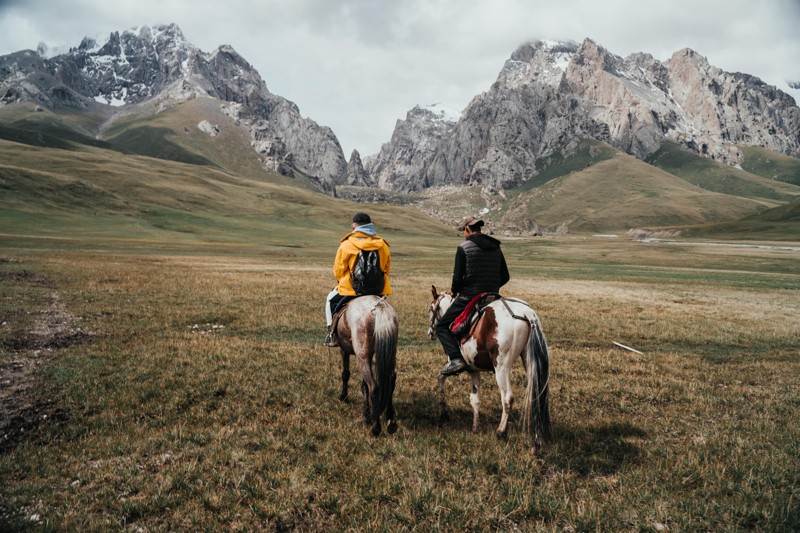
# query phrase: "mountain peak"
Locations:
[[542, 61], [154, 68], [434, 112], [551, 95]]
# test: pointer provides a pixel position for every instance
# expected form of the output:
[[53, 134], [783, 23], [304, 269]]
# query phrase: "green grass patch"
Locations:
[[771, 165], [157, 142], [588, 153], [712, 176]]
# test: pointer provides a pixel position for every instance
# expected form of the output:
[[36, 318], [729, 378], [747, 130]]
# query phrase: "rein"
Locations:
[[434, 310]]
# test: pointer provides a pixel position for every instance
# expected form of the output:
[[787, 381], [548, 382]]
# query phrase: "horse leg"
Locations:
[[503, 377], [345, 376], [391, 424], [376, 416], [444, 416], [365, 395], [475, 399], [370, 391]]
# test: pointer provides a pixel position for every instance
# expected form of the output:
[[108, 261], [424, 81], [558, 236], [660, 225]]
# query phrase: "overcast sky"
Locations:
[[358, 66]]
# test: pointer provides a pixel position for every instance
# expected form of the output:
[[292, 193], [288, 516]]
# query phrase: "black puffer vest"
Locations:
[[483, 265]]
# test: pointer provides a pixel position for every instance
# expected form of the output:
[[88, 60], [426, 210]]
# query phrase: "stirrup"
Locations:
[[453, 367], [330, 340]]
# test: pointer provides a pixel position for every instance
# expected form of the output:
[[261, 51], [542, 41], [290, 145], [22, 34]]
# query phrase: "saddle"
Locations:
[[464, 322], [339, 311], [341, 307]]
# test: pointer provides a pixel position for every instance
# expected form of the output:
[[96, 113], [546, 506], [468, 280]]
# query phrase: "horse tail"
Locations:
[[385, 339], [536, 414]]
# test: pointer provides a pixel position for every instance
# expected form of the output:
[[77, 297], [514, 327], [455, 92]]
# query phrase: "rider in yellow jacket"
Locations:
[[362, 237], [347, 254]]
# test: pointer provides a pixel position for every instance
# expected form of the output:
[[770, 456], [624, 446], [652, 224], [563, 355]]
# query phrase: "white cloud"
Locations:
[[359, 65]]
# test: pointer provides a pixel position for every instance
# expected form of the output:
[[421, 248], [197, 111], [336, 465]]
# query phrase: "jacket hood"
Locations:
[[484, 242], [367, 229], [362, 241]]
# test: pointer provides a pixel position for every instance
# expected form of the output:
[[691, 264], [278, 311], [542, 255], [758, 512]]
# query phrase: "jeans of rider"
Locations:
[[338, 301], [446, 337]]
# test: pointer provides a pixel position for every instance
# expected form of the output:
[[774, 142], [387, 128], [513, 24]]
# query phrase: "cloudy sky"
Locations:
[[359, 65]]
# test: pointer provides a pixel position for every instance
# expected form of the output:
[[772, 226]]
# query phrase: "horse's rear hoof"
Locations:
[[502, 435], [391, 427], [376, 429], [343, 397]]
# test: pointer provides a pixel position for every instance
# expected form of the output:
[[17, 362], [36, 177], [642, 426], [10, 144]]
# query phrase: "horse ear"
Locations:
[[433, 291]]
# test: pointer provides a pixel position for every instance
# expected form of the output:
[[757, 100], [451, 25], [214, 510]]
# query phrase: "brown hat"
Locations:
[[473, 222]]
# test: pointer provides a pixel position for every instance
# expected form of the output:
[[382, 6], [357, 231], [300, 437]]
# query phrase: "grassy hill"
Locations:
[[623, 192], [771, 164], [152, 203], [597, 188], [63, 130], [588, 153], [780, 223], [153, 174], [173, 134], [712, 176]]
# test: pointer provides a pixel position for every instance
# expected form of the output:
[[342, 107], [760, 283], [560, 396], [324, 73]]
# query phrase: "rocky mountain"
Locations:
[[402, 160], [556, 109], [157, 67], [356, 172], [550, 95]]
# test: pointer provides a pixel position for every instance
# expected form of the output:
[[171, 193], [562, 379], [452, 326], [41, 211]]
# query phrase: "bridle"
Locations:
[[435, 313]]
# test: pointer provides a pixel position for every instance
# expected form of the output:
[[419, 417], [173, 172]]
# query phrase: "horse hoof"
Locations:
[[391, 427], [376, 430], [343, 397], [502, 435]]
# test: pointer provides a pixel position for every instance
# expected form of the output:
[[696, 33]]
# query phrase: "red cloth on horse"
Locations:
[[466, 313]]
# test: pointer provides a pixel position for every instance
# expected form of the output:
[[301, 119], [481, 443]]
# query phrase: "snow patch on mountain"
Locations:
[[441, 112]]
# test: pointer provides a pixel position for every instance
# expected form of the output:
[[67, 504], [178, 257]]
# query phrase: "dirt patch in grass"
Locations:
[[25, 276], [24, 405]]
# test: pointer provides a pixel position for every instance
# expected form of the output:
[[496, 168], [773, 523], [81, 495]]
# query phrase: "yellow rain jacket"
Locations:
[[346, 257]]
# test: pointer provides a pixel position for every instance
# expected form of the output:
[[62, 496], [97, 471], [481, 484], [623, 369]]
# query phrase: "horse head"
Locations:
[[441, 301]]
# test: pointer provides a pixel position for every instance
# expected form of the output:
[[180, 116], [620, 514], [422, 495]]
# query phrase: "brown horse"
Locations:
[[507, 329], [367, 328]]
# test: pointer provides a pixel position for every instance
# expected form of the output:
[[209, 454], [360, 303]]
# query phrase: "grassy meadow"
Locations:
[[165, 386]]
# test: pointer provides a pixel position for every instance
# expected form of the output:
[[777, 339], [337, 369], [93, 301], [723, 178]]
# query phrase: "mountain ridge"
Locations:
[[149, 92], [551, 94], [152, 69]]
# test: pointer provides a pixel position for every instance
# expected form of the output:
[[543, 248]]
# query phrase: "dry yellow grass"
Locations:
[[199, 397]]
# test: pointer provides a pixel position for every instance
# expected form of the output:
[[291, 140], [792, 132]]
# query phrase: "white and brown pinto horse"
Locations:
[[506, 330], [367, 328]]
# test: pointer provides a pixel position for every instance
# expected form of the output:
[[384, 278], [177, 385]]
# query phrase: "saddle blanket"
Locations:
[[461, 324]]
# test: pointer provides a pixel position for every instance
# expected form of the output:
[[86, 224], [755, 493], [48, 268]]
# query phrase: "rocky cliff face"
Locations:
[[158, 66], [728, 109], [357, 175], [401, 162], [547, 97], [550, 94]]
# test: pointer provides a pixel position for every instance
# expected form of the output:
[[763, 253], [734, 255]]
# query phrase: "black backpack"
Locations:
[[367, 276]]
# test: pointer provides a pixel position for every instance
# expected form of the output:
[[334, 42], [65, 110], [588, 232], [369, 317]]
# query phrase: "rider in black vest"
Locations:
[[479, 267]]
